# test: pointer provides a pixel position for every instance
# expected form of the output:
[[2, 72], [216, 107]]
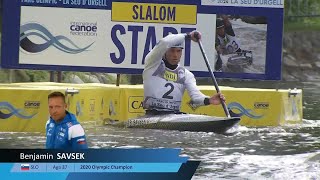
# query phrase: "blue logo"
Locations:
[[13, 112], [243, 111], [34, 29]]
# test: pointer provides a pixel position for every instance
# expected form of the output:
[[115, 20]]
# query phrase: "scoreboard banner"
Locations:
[[96, 164], [115, 36]]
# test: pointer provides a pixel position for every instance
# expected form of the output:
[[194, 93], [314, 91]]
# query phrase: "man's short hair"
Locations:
[[57, 94]]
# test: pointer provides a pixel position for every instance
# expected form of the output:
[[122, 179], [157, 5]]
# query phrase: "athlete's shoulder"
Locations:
[[187, 71], [188, 74]]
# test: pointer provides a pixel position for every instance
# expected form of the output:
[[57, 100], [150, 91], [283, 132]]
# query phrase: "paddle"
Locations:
[[196, 35], [218, 62]]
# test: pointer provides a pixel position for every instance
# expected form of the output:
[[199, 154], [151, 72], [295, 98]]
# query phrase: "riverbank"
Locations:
[[301, 56]]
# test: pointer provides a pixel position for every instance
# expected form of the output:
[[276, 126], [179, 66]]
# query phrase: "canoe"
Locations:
[[184, 122]]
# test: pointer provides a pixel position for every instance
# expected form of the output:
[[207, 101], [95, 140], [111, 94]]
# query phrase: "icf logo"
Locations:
[[83, 29], [261, 105], [36, 38], [242, 111], [8, 110]]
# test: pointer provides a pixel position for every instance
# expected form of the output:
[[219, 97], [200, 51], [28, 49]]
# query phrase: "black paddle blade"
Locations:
[[218, 65], [233, 114]]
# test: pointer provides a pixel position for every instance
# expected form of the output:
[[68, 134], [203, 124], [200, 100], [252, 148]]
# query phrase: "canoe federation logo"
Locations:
[[35, 38], [239, 110], [7, 110]]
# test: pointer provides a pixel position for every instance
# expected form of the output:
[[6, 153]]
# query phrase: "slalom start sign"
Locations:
[[242, 38]]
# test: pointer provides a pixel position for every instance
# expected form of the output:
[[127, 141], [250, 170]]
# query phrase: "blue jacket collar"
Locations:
[[68, 118]]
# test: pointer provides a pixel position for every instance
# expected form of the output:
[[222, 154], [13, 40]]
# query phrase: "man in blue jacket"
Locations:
[[63, 131]]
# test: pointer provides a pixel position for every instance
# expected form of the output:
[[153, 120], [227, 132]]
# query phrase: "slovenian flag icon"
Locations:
[[25, 167]]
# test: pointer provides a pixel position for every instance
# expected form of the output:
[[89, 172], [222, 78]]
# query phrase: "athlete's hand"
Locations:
[[219, 49], [216, 99], [195, 36]]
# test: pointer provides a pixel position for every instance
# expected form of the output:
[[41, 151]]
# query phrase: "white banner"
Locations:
[[245, 3], [88, 37]]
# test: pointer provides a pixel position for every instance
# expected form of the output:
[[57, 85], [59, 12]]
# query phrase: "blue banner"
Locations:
[[96, 164], [162, 155], [115, 36], [95, 167]]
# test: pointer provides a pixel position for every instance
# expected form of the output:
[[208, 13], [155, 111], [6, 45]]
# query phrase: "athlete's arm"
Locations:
[[155, 55], [197, 97], [228, 26]]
